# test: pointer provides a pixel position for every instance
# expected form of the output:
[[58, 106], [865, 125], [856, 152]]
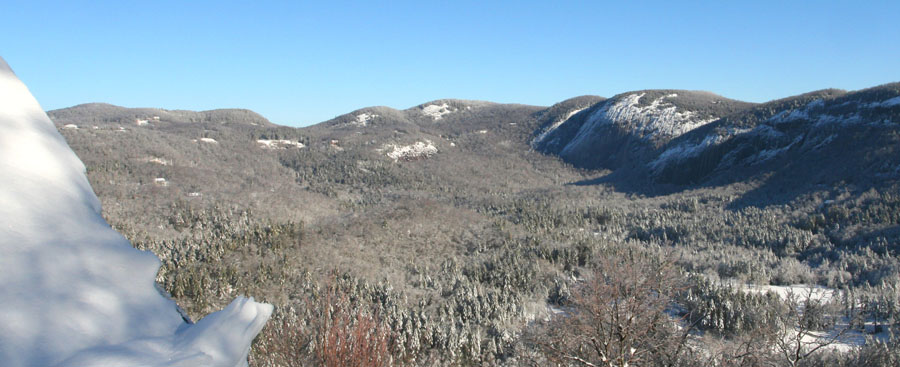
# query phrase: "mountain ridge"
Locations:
[[666, 136]]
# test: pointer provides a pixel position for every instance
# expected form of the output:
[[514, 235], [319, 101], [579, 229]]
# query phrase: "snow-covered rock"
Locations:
[[363, 119], [658, 119], [280, 144], [409, 152], [554, 125], [158, 160], [437, 112], [75, 292]]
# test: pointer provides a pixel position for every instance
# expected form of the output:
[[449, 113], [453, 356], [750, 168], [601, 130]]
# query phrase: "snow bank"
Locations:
[[75, 292]]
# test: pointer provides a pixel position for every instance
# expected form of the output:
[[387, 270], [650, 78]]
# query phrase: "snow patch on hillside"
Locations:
[[554, 125], [280, 144], [684, 151], [363, 119], [75, 292], [437, 112], [768, 154], [658, 119], [821, 115], [891, 102], [421, 149]]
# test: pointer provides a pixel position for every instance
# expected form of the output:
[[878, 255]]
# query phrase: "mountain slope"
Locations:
[[631, 126], [103, 114], [75, 293], [455, 229], [819, 137]]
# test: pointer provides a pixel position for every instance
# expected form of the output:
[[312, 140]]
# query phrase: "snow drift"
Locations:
[[75, 292]]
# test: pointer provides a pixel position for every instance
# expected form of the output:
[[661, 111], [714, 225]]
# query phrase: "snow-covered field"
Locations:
[[841, 337], [75, 292]]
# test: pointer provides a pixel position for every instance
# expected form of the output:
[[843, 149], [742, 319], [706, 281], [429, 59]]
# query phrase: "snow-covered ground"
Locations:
[[841, 337], [158, 160], [437, 112], [554, 125], [421, 149], [794, 292], [280, 144], [658, 119], [75, 292], [363, 119], [684, 151]]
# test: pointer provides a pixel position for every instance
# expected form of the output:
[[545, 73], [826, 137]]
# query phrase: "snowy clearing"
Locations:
[[891, 102]]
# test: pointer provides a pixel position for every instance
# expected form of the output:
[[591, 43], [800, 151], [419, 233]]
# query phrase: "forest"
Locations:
[[488, 251]]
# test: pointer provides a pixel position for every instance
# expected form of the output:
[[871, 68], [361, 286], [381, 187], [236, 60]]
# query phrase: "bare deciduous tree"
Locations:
[[618, 317]]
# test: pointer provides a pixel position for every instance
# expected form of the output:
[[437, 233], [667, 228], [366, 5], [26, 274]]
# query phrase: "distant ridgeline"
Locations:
[[449, 228]]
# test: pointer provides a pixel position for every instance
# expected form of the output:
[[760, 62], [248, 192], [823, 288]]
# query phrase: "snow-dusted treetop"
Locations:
[[75, 292]]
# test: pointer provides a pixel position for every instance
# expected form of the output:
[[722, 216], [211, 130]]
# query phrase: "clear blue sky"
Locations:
[[298, 63]]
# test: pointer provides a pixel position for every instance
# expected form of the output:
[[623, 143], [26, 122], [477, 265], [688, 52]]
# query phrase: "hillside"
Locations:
[[821, 137], [631, 126], [460, 225]]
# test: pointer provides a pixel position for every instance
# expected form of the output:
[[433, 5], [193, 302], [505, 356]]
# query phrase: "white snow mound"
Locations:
[[75, 292]]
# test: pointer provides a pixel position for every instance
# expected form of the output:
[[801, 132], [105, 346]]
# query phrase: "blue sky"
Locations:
[[299, 63]]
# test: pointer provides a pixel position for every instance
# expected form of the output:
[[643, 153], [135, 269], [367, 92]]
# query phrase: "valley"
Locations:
[[463, 232]]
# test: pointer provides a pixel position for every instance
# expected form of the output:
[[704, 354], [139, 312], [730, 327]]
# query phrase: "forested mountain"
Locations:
[[630, 127], [458, 227], [821, 137]]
